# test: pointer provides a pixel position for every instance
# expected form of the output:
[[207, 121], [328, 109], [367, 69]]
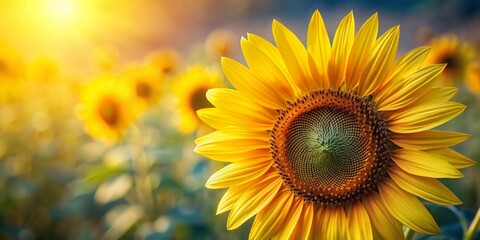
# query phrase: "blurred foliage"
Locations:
[[58, 182]]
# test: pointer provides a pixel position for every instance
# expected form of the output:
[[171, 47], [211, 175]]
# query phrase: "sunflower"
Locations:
[[166, 60], [190, 88], [221, 43], [472, 78], [11, 64], [108, 107], [42, 69], [106, 58], [146, 82], [11, 72], [456, 54], [331, 141]]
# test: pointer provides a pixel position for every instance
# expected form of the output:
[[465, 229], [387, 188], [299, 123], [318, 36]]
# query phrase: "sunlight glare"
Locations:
[[62, 10]]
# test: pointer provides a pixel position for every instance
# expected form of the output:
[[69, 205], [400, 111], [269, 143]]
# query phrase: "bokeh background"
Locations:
[[97, 101]]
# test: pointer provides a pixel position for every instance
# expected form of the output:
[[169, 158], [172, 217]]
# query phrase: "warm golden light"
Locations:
[[62, 10]]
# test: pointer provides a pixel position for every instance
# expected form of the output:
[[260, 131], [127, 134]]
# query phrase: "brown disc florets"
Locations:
[[330, 147], [109, 111]]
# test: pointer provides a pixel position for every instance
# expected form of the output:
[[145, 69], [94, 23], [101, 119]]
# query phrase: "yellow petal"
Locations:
[[320, 80], [272, 52], [270, 219], [359, 222], [429, 189], [423, 117], [233, 156], [303, 227], [244, 110], [254, 200], [215, 118], [232, 138], [407, 64], [381, 59], [385, 224], [229, 198], [222, 145], [441, 94], [337, 223], [266, 69], [294, 55], [291, 222], [428, 139], [342, 45], [361, 48], [320, 221], [218, 119], [307, 220], [268, 49], [318, 46], [238, 173], [375, 234], [407, 208], [256, 89], [424, 164], [454, 158], [406, 90]]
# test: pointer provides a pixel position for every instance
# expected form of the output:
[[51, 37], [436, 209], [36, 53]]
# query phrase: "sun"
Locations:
[[62, 10]]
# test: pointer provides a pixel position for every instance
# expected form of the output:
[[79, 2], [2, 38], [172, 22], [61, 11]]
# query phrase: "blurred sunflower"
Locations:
[[456, 54], [166, 60], [42, 69], [11, 64], [106, 58], [221, 43], [190, 88], [108, 107], [11, 71], [331, 141], [146, 82], [472, 79]]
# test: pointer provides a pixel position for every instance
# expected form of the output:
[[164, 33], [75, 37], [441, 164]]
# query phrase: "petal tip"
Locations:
[[220, 210], [209, 185], [197, 148], [276, 23]]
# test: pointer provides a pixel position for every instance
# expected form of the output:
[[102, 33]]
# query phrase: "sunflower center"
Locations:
[[167, 66], [143, 90], [109, 111], [451, 62], [2, 66], [198, 100], [325, 146], [330, 147]]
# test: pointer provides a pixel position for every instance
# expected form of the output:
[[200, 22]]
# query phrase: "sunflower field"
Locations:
[[211, 119]]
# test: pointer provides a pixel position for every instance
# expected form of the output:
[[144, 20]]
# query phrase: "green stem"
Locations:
[[409, 233], [142, 178], [470, 234], [460, 216]]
